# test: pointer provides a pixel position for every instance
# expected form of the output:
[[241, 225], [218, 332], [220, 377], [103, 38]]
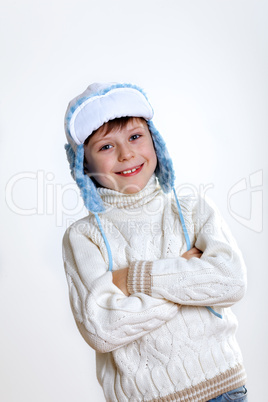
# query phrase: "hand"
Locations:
[[193, 252], [120, 280]]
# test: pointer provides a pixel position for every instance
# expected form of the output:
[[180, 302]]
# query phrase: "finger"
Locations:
[[192, 251]]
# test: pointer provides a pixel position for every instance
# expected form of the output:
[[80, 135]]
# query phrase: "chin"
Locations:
[[131, 189]]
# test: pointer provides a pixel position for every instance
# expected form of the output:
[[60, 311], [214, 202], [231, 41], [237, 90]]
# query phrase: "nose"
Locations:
[[125, 153]]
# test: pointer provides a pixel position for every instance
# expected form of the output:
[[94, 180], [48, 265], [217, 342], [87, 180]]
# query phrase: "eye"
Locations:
[[134, 137], [108, 146]]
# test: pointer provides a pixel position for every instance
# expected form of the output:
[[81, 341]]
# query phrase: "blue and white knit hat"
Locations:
[[98, 104]]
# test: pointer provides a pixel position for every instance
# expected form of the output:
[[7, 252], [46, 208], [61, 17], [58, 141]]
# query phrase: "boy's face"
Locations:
[[123, 159]]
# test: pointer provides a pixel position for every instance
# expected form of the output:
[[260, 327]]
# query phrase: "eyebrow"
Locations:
[[137, 127], [97, 139]]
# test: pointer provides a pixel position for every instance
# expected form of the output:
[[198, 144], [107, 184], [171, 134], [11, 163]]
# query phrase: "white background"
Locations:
[[204, 67]]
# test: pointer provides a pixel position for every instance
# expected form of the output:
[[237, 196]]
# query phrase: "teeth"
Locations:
[[129, 171]]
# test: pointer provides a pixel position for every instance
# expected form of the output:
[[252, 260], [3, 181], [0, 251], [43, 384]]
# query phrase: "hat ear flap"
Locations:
[[91, 198], [164, 170], [71, 158]]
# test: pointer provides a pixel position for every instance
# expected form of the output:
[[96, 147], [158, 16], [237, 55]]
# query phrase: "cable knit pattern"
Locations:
[[160, 343]]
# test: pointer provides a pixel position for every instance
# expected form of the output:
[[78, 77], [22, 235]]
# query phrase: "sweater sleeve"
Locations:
[[218, 278], [105, 317]]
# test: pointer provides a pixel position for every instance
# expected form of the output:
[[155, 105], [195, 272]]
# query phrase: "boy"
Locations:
[[151, 279]]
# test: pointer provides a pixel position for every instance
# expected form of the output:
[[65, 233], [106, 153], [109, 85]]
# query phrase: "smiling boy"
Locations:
[[154, 303], [121, 157]]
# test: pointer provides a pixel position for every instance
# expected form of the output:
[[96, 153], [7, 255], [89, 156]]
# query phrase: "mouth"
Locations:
[[131, 172]]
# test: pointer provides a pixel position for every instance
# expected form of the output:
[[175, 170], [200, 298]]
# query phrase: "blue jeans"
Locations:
[[236, 395]]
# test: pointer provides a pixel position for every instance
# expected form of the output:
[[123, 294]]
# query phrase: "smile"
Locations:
[[131, 172]]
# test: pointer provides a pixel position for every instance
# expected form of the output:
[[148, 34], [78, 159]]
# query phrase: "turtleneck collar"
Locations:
[[120, 200]]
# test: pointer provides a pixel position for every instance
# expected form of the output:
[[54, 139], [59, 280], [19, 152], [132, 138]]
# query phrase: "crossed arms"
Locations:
[[120, 276], [107, 319]]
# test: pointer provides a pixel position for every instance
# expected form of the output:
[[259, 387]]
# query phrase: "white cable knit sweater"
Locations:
[[160, 343]]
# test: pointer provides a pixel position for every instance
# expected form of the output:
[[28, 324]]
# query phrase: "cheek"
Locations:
[[91, 166], [106, 163], [95, 164], [155, 159], [152, 156]]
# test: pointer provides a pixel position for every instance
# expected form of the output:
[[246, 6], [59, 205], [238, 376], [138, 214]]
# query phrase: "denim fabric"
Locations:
[[236, 395]]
